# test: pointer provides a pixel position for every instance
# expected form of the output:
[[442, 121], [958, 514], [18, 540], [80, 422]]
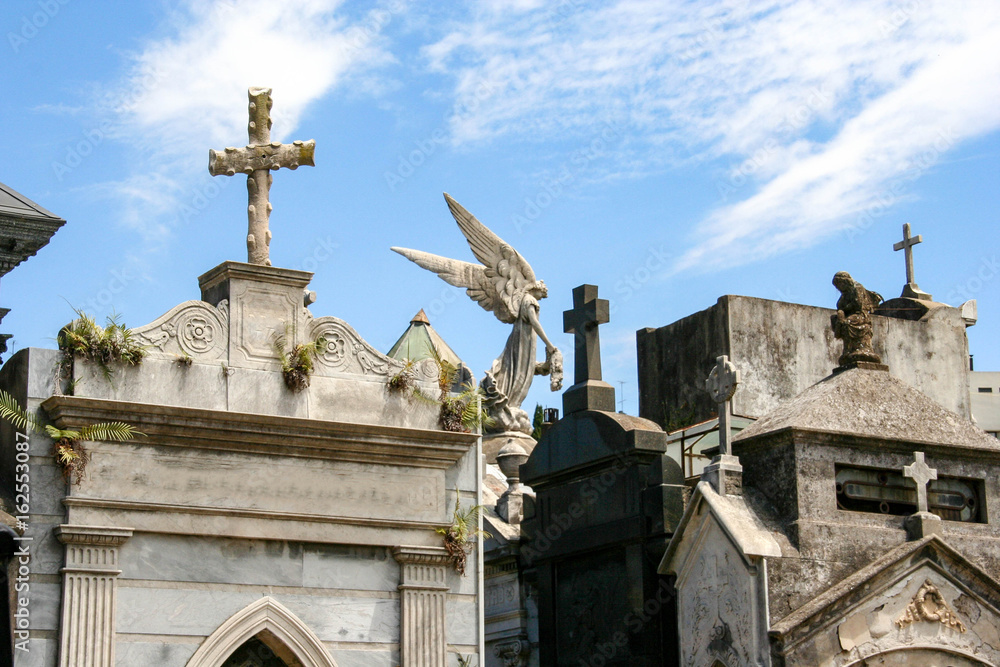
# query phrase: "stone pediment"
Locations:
[[736, 520], [716, 556], [922, 597], [221, 353], [244, 309]]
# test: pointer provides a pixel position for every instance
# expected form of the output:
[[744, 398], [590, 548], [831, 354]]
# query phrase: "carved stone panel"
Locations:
[[344, 351], [260, 315], [148, 475], [717, 605], [194, 329]]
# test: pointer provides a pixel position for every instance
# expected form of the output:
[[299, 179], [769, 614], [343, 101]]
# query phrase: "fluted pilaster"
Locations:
[[422, 596], [90, 582]]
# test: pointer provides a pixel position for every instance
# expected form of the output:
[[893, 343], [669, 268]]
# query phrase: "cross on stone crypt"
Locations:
[[253, 524]]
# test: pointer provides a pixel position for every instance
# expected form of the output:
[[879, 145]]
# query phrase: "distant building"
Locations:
[[984, 387], [25, 228]]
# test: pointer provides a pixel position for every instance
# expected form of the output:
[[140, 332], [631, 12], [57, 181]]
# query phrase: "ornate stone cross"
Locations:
[[588, 313], [920, 473], [256, 161], [721, 384], [906, 245]]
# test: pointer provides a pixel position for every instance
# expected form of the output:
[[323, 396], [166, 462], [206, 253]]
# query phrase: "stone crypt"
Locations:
[[855, 524], [253, 524]]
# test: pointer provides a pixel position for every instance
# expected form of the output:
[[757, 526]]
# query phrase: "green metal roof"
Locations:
[[421, 341]]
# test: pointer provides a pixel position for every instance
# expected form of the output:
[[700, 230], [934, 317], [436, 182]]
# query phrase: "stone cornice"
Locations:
[[228, 512], [792, 434], [22, 237], [101, 536], [267, 434], [253, 272]]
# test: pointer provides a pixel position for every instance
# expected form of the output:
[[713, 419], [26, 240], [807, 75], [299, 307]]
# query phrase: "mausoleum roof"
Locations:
[[25, 227], [871, 403], [421, 341]]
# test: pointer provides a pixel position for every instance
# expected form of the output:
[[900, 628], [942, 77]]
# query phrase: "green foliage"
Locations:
[[297, 364], [405, 381], [460, 413], [463, 413], [459, 537], [675, 420], [68, 449], [536, 422], [105, 346], [12, 412]]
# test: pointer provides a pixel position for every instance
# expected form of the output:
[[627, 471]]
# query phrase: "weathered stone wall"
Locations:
[[784, 348], [796, 482], [235, 515]]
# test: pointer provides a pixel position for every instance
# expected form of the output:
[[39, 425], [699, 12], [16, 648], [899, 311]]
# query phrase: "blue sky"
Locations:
[[668, 152]]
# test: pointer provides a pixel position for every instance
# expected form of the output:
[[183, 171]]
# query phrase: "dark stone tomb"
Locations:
[[607, 499]]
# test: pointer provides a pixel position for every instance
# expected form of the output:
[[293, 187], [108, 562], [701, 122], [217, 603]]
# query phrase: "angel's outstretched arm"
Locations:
[[537, 326]]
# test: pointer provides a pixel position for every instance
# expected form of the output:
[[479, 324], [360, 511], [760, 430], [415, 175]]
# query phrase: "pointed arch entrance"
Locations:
[[269, 622]]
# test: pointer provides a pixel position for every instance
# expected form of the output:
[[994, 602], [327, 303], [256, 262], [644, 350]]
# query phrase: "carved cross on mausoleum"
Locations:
[[721, 384], [257, 160], [588, 313], [906, 245], [920, 473]]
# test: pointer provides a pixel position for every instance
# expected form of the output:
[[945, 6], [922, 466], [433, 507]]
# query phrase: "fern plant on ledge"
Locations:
[[105, 346], [67, 448]]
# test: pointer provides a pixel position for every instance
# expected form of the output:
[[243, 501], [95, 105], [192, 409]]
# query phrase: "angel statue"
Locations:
[[853, 321], [504, 284]]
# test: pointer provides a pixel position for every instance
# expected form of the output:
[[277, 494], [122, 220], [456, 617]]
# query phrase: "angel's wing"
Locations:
[[509, 273], [472, 277]]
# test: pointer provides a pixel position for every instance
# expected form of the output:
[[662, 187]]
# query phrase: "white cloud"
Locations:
[[187, 92], [820, 105]]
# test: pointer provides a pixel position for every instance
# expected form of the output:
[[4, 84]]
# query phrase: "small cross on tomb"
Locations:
[[906, 245], [920, 473], [588, 313], [721, 384], [257, 160]]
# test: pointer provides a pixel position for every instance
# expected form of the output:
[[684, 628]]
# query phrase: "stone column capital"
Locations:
[[405, 555], [98, 536]]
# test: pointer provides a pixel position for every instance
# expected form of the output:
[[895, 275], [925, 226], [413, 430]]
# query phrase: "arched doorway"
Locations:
[[925, 656], [263, 634], [254, 653]]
